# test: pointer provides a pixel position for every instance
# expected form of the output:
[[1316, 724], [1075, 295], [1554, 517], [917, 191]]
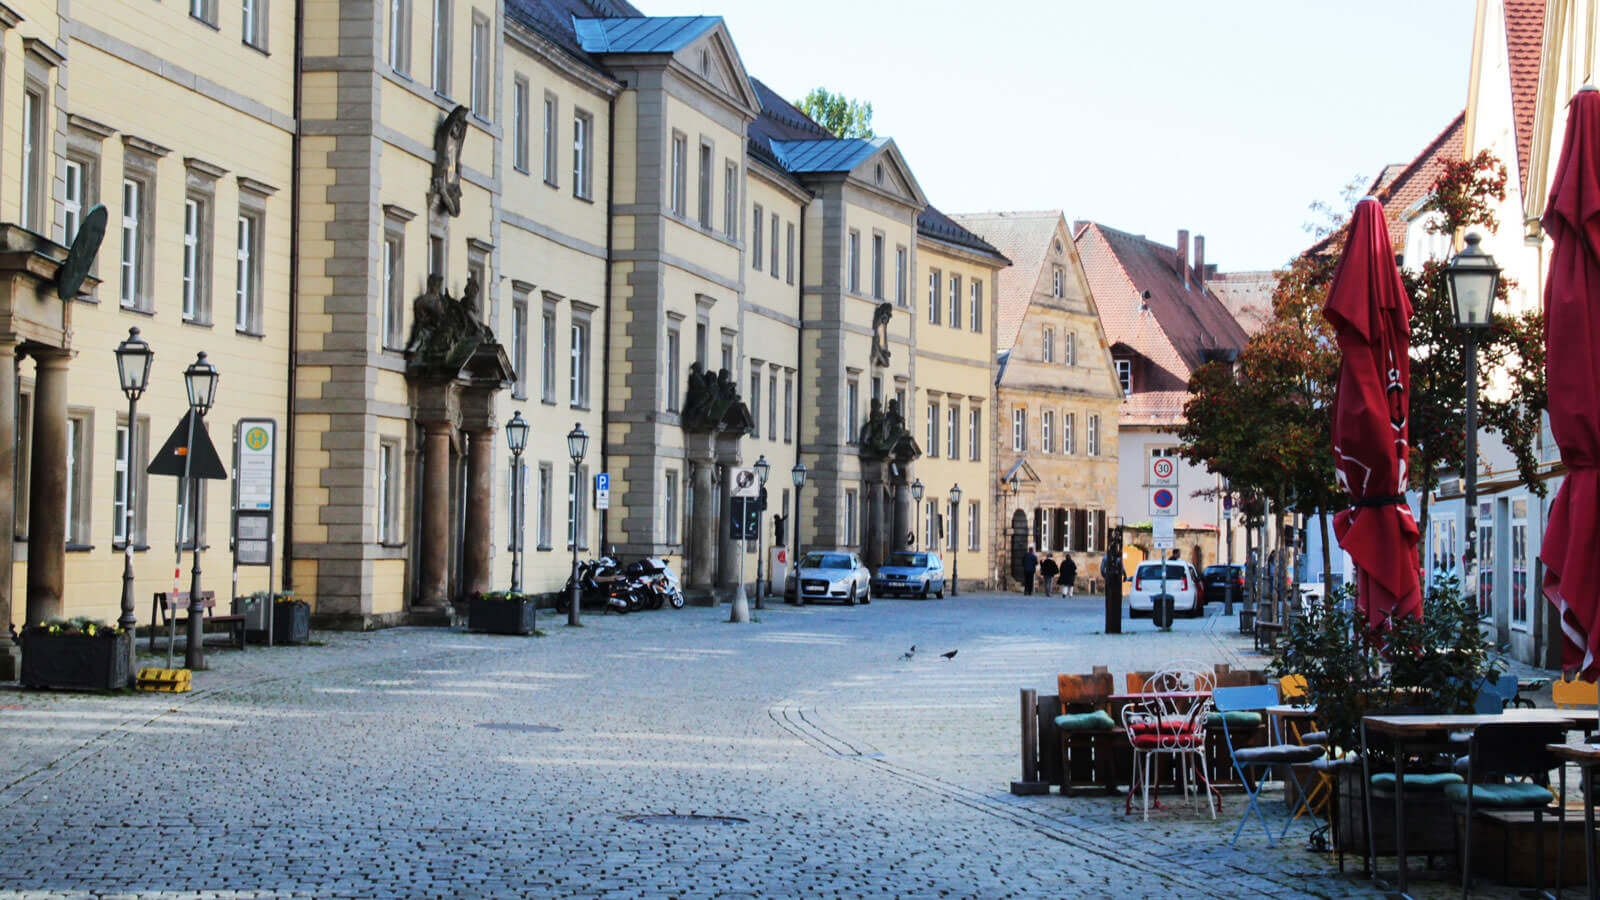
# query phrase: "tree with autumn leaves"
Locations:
[[1264, 424]]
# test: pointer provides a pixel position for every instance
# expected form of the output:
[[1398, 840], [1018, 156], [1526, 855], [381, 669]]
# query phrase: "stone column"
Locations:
[[10, 657], [728, 549], [904, 515], [434, 554], [874, 509], [702, 538], [47, 497], [477, 556]]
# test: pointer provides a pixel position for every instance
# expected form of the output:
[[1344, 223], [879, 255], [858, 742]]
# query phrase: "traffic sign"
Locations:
[[602, 491], [1163, 501], [173, 455], [745, 482], [745, 522], [1161, 530], [1163, 472]]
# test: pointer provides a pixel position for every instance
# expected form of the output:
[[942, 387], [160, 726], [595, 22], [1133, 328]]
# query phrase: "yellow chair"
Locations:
[[1575, 694], [1292, 687]]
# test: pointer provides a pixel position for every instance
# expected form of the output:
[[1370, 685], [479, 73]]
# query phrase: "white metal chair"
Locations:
[[1161, 723]]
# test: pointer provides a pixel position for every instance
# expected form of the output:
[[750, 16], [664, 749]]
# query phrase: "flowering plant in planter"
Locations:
[[75, 654], [502, 612], [78, 625]]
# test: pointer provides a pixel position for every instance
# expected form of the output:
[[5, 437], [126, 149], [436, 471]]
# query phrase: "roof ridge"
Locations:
[[1429, 151]]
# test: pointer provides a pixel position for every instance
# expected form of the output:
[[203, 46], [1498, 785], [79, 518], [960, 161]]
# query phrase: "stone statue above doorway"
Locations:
[[445, 332], [885, 436], [712, 404]]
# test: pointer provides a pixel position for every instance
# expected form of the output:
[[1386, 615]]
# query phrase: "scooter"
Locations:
[[658, 580]]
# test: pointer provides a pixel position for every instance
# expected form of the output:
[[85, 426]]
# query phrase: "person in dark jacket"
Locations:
[[1047, 571], [1030, 565], [1069, 575]]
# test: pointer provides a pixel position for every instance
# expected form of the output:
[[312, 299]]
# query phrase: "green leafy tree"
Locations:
[[842, 116]]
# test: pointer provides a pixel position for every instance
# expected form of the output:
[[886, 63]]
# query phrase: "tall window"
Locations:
[[547, 356], [394, 301], [1055, 281], [788, 407], [1047, 431], [546, 486], [580, 364], [400, 36], [253, 30], [1485, 550], [78, 466], [1069, 436], [583, 155], [1019, 429], [877, 267], [701, 344], [977, 306], [955, 300], [519, 345], [247, 273], [772, 269], [1049, 351], [129, 465], [191, 259], [33, 157], [438, 259], [789, 254], [481, 51], [727, 355], [552, 129], [933, 428], [680, 175], [519, 124], [934, 284], [757, 236], [1092, 438], [730, 200], [975, 434], [850, 517], [132, 242], [72, 201], [1519, 562], [755, 400], [1069, 341], [853, 263], [204, 10], [441, 46], [974, 523], [387, 493], [705, 186], [1125, 375], [900, 276], [674, 341], [852, 404], [669, 508], [772, 406], [952, 432]]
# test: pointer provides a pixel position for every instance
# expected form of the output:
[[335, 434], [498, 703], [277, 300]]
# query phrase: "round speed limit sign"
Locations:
[[1163, 468]]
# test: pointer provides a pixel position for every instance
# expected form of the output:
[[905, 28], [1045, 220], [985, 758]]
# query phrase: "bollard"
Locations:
[[1030, 783]]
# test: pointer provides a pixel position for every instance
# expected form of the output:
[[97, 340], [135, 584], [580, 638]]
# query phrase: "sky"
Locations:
[[1227, 118]]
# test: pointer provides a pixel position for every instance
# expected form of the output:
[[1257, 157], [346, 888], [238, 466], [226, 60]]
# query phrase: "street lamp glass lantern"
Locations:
[[798, 473], [517, 433], [1012, 486], [133, 364], [1473, 279], [577, 442], [916, 489], [200, 379], [763, 468], [955, 493]]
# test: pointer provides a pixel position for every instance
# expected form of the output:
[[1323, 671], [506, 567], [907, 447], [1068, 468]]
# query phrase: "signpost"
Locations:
[[1163, 510], [189, 454], [255, 449], [602, 491]]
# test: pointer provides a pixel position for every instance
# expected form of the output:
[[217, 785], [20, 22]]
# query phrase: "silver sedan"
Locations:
[[830, 575]]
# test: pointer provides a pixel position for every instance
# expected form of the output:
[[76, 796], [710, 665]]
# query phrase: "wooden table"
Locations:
[[1586, 756], [1415, 729]]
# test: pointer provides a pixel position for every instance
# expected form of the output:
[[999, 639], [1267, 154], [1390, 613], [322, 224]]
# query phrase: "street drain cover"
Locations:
[[702, 821], [519, 726]]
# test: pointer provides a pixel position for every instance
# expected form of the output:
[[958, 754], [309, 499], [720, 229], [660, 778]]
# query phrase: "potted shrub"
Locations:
[[78, 654], [501, 612], [1431, 665], [291, 619]]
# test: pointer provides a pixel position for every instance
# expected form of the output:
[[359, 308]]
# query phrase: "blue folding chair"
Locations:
[[1231, 703], [1495, 692]]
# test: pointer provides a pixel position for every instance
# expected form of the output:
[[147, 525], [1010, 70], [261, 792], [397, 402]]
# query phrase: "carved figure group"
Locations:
[[712, 403], [445, 331], [884, 434]]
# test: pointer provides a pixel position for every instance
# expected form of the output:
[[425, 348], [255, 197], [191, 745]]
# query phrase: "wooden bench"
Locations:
[[1088, 750], [167, 609]]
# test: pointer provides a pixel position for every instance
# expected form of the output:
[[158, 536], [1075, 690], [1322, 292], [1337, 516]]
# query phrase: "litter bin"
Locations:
[[1161, 610]]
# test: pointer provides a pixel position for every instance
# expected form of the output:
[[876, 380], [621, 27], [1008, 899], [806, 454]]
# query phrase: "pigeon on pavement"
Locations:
[[950, 655], [909, 653]]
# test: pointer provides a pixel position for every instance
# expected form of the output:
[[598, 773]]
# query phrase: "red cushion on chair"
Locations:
[[1168, 740], [1167, 725]]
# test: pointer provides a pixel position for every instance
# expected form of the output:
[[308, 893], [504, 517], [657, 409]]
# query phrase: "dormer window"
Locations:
[[1125, 375]]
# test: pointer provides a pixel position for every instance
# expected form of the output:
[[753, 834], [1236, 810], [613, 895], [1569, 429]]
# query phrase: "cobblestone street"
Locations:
[[429, 763]]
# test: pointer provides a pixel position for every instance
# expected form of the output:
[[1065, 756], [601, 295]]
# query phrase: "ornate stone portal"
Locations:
[[714, 421], [887, 449]]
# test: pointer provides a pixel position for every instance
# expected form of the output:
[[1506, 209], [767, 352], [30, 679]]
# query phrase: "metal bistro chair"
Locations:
[[1256, 699], [1159, 724], [1509, 750]]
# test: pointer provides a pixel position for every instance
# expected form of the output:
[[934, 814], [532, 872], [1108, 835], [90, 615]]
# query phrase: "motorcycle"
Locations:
[[658, 582], [599, 582]]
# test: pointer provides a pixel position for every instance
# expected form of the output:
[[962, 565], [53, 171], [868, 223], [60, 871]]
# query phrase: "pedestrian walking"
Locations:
[[1030, 565], [1047, 571], [1069, 575]]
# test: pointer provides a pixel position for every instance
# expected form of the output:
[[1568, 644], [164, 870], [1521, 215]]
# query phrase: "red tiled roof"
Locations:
[[1023, 238], [1415, 181], [1524, 41]]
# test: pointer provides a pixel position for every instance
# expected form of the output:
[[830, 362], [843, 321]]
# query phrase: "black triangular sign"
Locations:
[[205, 464]]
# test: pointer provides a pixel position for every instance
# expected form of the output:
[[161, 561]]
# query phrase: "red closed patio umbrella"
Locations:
[[1371, 316], [1571, 550]]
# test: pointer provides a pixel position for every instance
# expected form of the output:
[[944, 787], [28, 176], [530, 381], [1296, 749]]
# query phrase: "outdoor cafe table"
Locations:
[[1435, 729], [1586, 756]]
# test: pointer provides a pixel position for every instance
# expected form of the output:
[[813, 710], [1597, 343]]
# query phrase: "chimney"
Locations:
[[1200, 261], [1183, 256]]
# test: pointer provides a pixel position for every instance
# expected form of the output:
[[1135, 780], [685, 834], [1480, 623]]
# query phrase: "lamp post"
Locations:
[[1473, 280], [517, 437], [916, 525], [133, 372], [200, 381], [763, 469], [798, 473], [577, 447], [955, 539]]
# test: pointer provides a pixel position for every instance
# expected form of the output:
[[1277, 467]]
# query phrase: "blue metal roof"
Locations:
[[645, 34], [826, 155]]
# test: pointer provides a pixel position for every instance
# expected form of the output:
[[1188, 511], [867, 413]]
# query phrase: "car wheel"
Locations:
[[866, 594], [941, 590], [852, 598]]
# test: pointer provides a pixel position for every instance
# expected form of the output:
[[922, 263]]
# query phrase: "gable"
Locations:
[[714, 58], [886, 170]]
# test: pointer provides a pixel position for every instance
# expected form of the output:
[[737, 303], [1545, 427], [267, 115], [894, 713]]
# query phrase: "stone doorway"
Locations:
[[1019, 544]]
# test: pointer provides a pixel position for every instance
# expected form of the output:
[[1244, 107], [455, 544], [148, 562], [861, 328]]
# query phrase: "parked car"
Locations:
[[1183, 583], [1221, 577], [911, 574], [830, 575]]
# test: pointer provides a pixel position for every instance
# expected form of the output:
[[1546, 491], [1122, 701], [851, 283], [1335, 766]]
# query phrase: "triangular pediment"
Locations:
[[886, 170], [715, 58]]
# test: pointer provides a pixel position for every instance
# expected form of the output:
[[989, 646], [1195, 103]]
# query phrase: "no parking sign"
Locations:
[[1163, 501]]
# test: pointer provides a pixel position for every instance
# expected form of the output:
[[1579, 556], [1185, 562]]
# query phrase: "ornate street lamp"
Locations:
[[1473, 280], [133, 372], [577, 448], [955, 538], [798, 474], [916, 528], [517, 438], [763, 469], [200, 381]]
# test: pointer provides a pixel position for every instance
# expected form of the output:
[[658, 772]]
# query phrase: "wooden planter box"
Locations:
[[1430, 822], [291, 622], [498, 615], [75, 662]]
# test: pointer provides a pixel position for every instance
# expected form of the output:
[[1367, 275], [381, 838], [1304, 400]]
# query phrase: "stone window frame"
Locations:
[[976, 317], [852, 261], [521, 144], [757, 236], [546, 487], [481, 59], [441, 62], [85, 148], [1019, 429], [1091, 435], [35, 155], [954, 318], [391, 518], [788, 405], [772, 249], [140, 164], [480, 257], [1047, 431], [400, 37], [730, 340], [880, 243], [974, 525], [582, 154], [902, 298], [138, 460], [975, 431], [1057, 282], [1069, 347], [253, 196], [204, 12], [578, 515], [392, 320], [852, 405], [772, 401], [730, 203], [849, 509], [521, 328], [549, 363], [581, 394], [704, 163], [80, 477], [671, 480], [952, 429], [254, 21], [789, 254], [934, 407], [678, 175], [1069, 433], [552, 139], [200, 188], [753, 397], [935, 296], [672, 362], [1047, 344]]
